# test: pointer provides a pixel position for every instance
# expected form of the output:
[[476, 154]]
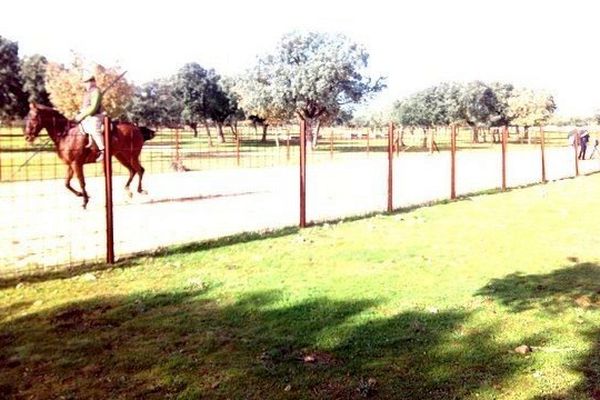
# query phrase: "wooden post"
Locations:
[[542, 144], [302, 173], [504, 140], [110, 248], [453, 163], [390, 202], [368, 141]]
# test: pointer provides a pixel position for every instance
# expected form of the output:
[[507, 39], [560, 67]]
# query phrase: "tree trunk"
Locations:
[[311, 127], [424, 138], [401, 138], [475, 135], [264, 133], [233, 129], [210, 143], [315, 138], [526, 134], [194, 127], [220, 132], [431, 140]]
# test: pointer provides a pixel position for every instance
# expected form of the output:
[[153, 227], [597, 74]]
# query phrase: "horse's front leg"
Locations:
[[68, 181], [78, 168]]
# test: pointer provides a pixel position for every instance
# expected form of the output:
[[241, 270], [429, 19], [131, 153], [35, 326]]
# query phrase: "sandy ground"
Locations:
[[41, 224]]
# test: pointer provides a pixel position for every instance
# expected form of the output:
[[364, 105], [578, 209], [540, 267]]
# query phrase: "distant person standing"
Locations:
[[584, 138], [595, 149]]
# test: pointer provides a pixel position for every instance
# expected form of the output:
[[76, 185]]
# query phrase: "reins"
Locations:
[[42, 147]]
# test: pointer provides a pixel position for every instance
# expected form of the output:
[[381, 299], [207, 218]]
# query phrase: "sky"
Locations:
[[544, 45]]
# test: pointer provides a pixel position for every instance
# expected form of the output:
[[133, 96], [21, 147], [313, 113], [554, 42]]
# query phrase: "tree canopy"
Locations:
[[475, 104], [155, 104], [13, 101], [66, 88], [311, 75], [33, 74]]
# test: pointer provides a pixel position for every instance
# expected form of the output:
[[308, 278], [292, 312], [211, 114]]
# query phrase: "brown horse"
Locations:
[[72, 146]]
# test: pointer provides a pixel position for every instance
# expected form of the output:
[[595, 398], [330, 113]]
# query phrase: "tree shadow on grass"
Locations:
[[183, 344], [554, 292], [574, 287]]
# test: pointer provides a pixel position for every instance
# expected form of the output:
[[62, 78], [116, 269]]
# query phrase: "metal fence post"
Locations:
[[542, 144], [302, 173], [504, 139], [390, 202], [110, 249]]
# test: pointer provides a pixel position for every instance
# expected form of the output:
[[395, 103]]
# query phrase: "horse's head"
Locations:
[[43, 117], [34, 123]]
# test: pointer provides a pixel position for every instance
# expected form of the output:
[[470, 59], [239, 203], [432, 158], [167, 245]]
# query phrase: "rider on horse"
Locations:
[[90, 115]]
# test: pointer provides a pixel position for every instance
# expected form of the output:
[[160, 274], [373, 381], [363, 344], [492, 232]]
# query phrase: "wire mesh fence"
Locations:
[[204, 187]]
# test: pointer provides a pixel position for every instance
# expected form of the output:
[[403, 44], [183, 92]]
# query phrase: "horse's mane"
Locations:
[[53, 110]]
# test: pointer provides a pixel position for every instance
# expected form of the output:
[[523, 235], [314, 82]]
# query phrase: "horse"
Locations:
[[72, 146]]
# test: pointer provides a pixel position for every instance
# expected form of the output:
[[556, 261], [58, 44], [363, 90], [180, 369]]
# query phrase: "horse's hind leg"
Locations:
[[135, 163], [131, 175], [123, 160], [78, 168], [68, 181]]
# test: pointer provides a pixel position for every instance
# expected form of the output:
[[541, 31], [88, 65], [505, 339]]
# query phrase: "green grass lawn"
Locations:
[[423, 304]]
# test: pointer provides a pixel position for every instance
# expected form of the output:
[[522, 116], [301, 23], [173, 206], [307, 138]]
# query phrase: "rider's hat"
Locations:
[[87, 76]]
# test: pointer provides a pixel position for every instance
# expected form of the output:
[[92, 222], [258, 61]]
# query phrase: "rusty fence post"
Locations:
[[576, 146], [110, 248], [453, 163], [542, 144], [504, 139], [302, 173], [390, 202]]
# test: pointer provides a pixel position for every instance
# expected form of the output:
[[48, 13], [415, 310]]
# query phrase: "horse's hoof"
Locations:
[[142, 192], [129, 194]]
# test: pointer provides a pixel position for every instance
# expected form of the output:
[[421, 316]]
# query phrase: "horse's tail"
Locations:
[[147, 133]]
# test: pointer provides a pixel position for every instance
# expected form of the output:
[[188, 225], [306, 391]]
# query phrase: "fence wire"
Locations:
[[204, 187]]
